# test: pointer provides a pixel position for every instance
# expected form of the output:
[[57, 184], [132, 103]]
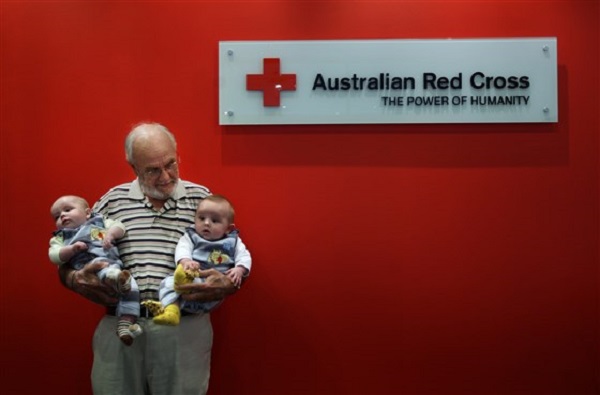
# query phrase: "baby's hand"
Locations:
[[107, 242], [235, 275], [189, 265], [79, 246]]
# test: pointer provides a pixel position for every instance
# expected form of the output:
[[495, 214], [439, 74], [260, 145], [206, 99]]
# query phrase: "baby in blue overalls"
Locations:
[[83, 238], [212, 243]]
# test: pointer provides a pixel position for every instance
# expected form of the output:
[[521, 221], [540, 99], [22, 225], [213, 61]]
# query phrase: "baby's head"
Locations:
[[70, 211], [214, 217]]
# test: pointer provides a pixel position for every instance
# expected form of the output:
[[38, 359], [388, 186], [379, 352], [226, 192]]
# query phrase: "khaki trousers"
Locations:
[[164, 360]]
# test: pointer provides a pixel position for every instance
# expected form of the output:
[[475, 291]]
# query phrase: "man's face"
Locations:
[[156, 166]]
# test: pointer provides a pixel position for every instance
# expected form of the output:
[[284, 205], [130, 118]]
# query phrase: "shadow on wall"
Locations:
[[406, 145]]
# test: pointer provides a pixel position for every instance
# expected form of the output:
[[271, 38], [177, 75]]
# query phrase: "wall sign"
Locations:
[[388, 81]]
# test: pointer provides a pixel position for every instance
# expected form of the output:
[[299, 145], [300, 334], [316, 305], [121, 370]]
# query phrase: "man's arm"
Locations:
[[86, 283], [216, 287]]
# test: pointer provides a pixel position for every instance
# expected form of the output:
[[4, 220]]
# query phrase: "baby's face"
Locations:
[[212, 220], [69, 213]]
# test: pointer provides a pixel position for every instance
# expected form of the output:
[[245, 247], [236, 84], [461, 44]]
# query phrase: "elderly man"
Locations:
[[155, 209]]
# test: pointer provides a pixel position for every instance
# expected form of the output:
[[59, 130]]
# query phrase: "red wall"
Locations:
[[389, 259]]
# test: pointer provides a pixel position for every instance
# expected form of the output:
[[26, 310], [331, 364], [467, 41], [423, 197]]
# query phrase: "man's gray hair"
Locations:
[[142, 129]]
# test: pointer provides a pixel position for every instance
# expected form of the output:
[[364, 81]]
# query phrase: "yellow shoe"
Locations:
[[154, 306], [170, 316]]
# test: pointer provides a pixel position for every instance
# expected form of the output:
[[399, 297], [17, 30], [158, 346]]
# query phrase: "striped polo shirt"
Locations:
[[148, 247]]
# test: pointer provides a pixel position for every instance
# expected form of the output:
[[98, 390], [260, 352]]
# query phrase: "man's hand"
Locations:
[[86, 283], [216, 287]]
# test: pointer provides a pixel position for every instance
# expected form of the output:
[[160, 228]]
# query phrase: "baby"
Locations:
[[81, 238], [212, 243]]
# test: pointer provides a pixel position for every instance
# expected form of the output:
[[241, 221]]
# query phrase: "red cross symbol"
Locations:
[[271, 82]]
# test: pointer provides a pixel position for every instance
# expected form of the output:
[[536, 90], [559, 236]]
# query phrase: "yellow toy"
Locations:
[[171, 315]]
